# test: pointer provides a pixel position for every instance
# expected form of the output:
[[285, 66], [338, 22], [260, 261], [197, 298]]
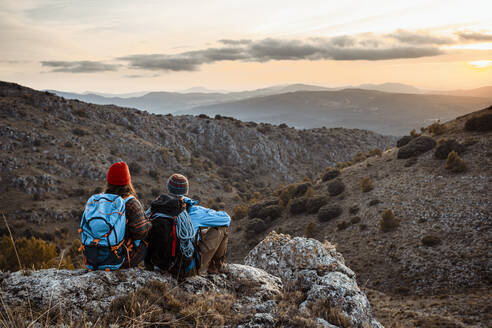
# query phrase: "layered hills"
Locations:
[[389, 108]]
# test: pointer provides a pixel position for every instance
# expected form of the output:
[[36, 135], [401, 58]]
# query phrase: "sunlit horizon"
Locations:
[[121, 47]]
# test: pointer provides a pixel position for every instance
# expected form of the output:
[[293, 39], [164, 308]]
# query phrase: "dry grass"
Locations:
[[454, 163], [160, 304], [388, 221]]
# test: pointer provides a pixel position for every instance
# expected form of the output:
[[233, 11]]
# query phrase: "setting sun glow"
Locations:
[[481, 63]]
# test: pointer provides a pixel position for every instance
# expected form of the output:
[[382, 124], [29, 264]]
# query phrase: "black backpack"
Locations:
[[164, 249]]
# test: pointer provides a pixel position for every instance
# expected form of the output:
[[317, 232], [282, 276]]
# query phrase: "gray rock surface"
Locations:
[[257, 287], [317, 268]]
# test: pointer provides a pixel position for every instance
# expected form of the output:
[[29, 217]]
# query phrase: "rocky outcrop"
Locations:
[[317, 269]]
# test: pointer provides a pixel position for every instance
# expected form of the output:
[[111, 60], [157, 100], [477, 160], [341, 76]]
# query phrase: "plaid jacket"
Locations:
[[138, 225]]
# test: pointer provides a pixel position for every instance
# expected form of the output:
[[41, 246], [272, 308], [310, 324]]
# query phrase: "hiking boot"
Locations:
[[212, 271], [224, 268]]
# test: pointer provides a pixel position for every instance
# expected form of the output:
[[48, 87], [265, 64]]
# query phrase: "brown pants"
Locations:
[[213, 248]]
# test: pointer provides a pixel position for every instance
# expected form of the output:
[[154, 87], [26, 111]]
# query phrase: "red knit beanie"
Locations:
[[118, 174]]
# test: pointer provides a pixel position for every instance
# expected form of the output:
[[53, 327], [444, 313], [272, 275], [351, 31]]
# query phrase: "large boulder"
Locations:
[[252, 295], [319, 270], [92, 295]]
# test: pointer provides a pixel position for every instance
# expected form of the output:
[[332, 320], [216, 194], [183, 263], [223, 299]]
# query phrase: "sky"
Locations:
[[121, 46]]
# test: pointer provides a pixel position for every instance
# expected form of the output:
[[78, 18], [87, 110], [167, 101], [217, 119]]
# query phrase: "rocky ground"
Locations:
[[439, 250], [258, 294]]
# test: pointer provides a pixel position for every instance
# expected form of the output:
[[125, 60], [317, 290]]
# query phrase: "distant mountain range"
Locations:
[[390, 108]]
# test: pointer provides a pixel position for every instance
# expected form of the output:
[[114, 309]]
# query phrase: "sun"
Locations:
[[481, 63]]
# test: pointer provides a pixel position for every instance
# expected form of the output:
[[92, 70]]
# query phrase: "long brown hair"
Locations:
[[123, 191]]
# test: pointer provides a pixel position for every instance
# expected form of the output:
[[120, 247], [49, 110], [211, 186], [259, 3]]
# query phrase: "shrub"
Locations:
[[330, 174], [286, 194], [376, 152], [256, 226], [314, 203], [403, 141], [33, 253], [79, 132], [301, 189], [355, 219], [310, 229], [354, 209], [135, 168], [329, 212], [416, 147], [342, 165], [454, 163], [271, 211], [410, 162], [367, 184], [298, 205], [336, 188], [431, 240], [255, 208], [479, 123], [373, 202], [414, 133], [154, 174], [445, 147], [388, 221], [436, 128], [359, 157], [343, 225]]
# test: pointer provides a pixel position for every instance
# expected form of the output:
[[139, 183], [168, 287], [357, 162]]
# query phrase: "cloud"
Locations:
[[138, 76], [235, 42], [474, 36], [186, 61], [420, 38], [336, 48], [79, 66]]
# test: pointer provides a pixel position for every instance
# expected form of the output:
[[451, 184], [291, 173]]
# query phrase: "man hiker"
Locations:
[[212, 227]]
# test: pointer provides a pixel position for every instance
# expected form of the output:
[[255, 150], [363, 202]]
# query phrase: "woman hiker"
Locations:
[[118, 203]]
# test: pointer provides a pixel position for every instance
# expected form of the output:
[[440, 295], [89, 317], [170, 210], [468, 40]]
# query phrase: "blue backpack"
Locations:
[[102, 232]]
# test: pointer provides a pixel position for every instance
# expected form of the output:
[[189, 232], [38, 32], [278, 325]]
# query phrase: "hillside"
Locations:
[[439, 254], [56, 152], [386, 113]]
